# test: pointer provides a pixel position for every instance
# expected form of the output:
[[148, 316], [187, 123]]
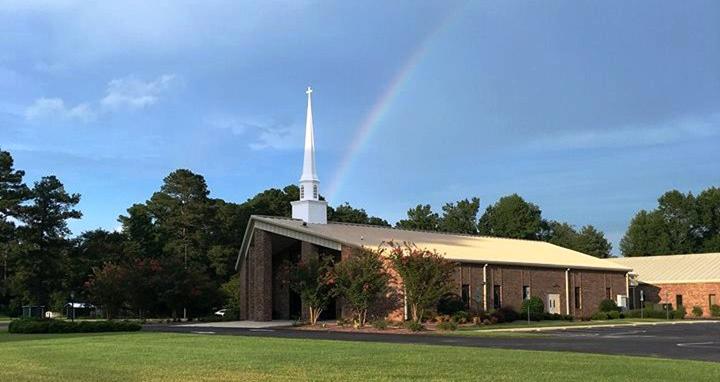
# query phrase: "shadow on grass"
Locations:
[[13, 337]]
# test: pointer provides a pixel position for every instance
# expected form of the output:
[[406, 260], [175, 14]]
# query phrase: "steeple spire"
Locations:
[[309, 208], [309, 171]]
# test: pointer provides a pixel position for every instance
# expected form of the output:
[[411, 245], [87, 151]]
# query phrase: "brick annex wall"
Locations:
[[259, 296], [542, 282], [693, 294]]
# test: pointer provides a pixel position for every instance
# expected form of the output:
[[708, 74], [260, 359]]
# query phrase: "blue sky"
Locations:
[[589, 109]]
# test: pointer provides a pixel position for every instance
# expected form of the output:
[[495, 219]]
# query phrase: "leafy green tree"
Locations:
[[421, 217], [681, 221], [426, 276], [231, 291], [313, 281], [273, 202], [38, 265], [106, 288], [592, 242], [646, 236], [13, 193], [562, 234], [91, 250], [708, 206], [460, 217], [361, 280], [512, 217], [345, 213]]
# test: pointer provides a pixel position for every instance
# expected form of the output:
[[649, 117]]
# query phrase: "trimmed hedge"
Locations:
[[28, 326]]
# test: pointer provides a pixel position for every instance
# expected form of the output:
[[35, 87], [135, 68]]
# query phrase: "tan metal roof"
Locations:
[[466, 248], [693, 268]]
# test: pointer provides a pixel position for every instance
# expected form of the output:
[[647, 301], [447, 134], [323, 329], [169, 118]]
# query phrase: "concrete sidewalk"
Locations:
[[240, 324]]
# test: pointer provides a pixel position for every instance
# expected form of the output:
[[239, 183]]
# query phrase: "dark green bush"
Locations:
[[450, 304], [679, 313], [504, 314], [608, 306], [461, 317], [536, 307], [614, 315], [715, 310], [27, 326], [599, 316], [414, 326], [697, 311], [447, 326], [380, 324]]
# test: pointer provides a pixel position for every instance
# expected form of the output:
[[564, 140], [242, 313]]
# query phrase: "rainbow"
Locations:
[[382, 105]]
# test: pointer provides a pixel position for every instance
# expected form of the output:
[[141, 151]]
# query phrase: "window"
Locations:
[[465, 294], [497, 297], [608, 293], [302, 192], [578, 298], [526, 292], [712, 299], [315, 192], [678, 300]]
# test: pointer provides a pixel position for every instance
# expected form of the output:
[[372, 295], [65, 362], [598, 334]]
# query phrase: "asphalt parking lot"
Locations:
[[697, 341]]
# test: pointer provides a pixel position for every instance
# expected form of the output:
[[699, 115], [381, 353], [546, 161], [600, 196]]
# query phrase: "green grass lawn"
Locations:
[[172, 357]]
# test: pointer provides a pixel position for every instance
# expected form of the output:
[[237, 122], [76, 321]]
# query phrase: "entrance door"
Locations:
[[553, 305]]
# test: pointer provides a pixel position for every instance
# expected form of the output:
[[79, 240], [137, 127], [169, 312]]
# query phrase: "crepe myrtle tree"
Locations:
[[362, 280], [313, 281], [426, 276]]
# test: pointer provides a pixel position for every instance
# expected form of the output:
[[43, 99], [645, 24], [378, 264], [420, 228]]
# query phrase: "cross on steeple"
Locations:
[[308, 91]]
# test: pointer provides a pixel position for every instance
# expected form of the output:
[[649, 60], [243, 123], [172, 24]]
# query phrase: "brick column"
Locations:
[[261, 274], [244, 289]]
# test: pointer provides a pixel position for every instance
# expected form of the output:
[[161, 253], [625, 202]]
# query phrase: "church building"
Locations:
[[491, 272]]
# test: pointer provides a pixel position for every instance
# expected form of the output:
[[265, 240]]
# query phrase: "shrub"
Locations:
[[341, 322], [380, 324], [426, 276], [614, 315], [504, 314], [361, 280], [599, 316], [608, 306], [450, 304], [414, 326], [447, 326], [715, 310], [27, 326], [461, 317], [313, 281], [679, 313], [536, 307], [697, 311]]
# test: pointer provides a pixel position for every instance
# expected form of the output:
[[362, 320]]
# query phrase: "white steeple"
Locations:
[[309, 208], [309, 172]]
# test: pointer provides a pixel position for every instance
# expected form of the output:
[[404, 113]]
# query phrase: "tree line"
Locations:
[[175, 252], [510, 217]]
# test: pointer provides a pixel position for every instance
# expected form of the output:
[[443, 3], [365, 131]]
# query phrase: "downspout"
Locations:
[[485, 308], [627, 290], [567, 291]]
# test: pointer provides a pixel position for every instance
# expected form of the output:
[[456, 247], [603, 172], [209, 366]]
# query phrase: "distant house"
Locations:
[[492, 272], [688, 280]]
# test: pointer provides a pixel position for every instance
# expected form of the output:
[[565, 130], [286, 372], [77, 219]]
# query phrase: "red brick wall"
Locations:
[[693, 294]]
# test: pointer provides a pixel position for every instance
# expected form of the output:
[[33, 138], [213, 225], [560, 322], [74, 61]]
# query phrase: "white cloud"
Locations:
[[56, 108], [264, 133], [133, 93], [278, 138], [121, 93], [635, 136]]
